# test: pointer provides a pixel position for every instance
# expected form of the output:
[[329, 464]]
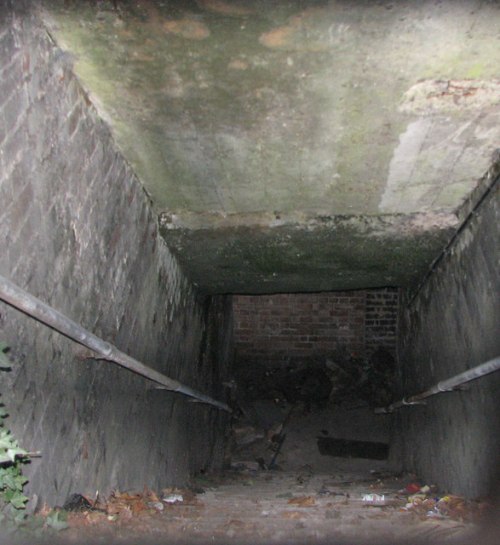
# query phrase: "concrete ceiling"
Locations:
[[298, 145]]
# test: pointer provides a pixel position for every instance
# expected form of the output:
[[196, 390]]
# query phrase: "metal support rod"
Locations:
[[27, 303], [445, 385]]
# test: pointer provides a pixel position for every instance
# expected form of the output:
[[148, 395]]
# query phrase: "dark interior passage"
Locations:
[[303, 275]]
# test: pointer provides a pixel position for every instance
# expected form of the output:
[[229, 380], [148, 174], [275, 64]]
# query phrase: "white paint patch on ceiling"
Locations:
[[436, 163]]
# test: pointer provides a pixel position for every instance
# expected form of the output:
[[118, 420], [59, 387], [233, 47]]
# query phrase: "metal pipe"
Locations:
[[27, 303], [445, 385]]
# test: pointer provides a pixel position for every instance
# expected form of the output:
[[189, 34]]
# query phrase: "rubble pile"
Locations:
[[265, 397], [315, 382]]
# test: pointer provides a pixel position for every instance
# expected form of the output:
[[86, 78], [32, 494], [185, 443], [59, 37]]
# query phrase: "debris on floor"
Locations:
[[319, 380], [278, 507], [246, 435], [296, 471], [277, 407], [304, 497], [303, 501], [426, 502], [77, 502], [374, 499]]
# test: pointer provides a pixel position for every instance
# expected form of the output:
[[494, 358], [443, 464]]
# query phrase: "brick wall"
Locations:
[[276, 328], [79, 233], [381, 316]]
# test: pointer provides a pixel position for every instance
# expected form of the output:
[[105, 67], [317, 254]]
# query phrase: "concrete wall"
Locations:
[[79, 233], [276, 328], [453, 325]]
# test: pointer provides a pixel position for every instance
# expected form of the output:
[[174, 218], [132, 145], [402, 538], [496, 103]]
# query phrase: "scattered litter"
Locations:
[[416, 498], [127, 512], [412, 488], [426, 503], [158, 505], [179, 495], [173, 498], [81, 512], [127, 505], [374, 499]]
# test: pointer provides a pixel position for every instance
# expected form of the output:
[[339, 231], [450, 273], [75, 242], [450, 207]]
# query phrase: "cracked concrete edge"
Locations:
[[429, 96], [484, 185], [369, 225], [261, 253]]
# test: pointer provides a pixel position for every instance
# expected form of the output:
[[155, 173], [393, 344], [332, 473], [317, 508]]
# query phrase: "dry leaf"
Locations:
[[303, 501], [292, 515]]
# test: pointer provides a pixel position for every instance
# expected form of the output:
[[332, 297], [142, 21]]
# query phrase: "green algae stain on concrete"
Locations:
[[227, 90], [254, 107], [308, 255], [296, 105]]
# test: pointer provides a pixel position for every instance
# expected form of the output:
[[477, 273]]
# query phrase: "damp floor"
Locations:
[[310, 499], [279, 507]]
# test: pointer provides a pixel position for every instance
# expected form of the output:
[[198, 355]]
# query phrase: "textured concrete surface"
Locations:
[[251, 110], [450, 326], [79, 233]]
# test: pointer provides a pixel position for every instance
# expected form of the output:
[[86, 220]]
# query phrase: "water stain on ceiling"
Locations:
[[295, 146]]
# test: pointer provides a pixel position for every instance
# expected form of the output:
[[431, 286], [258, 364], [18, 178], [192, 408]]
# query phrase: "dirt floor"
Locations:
[[276, 507], [307, 497]]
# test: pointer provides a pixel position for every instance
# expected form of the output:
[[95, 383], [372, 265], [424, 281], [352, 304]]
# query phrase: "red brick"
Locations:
[[279, 326]]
